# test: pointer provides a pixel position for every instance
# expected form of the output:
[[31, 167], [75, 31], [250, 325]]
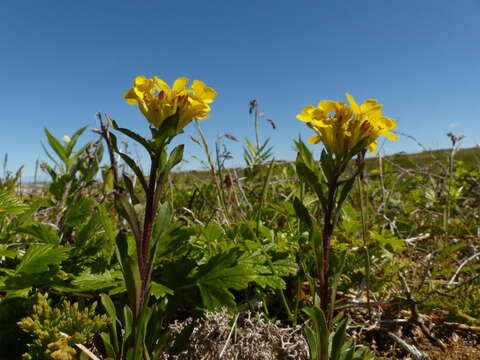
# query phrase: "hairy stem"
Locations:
[[326, 244], [149, 219]]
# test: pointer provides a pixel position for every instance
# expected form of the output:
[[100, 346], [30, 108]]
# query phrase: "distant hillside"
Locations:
[[469, 156]]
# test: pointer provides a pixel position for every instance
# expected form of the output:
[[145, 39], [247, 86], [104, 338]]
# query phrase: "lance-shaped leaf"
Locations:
[[163, 219], [136, 169], [111, 343], [176, 156], [320, 329], [338, 340], [309, 176], [329, 165], [58, 148], [130, 270], [346, 188], [131, 189], [128, 212], [73, 140], [305, 155], [132, 135], [302, 212]]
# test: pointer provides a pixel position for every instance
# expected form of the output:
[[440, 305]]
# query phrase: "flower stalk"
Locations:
[[346, 131], [168, 110]]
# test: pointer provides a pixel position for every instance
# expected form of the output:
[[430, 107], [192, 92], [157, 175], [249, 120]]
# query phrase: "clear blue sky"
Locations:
[[63, 61]]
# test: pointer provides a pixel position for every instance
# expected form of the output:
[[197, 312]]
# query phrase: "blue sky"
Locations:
[[64, 61]]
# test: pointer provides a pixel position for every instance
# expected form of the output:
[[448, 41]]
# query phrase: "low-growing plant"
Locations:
[[55, 331]]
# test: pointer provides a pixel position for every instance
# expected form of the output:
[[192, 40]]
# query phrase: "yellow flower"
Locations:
[[373, 123], [157, 101], [340, 126]]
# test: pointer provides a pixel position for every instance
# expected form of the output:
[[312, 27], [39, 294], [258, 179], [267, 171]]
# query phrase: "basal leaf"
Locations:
[[10, 204], [87, 281], [159, 291], [38, 258], [44, 232]]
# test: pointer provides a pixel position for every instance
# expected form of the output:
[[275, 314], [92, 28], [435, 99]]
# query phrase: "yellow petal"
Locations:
[[202, 92], [306, 114], [353, 103], [371, 106], [142, 84], [161, 85], [315, 140], [389, 135], [198, 86], [131, 97], [372, 147], [140, 80], [179, 85], [327, 106]]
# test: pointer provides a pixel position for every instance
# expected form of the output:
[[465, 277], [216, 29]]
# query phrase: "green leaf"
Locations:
[[165, 132], [109, 306], [159, 291], [133, 165], [44, 232], [321, 331], [131, 189], [87, 281], [220, 274], [38, 258], [8, 253], [215, 297], [313, 345], [346, 188], [302, 212], [285, 267], [109, 349], [79, 212], [176, 156], [339, 340], [105, 222], [131, 272], [127, 321], [10, 204], [128, 212], [311, 178], [133, 135], [48, 169], [329, 165], [162, 222], [58, 148], [358, 148], [112, 345], [73, 140], [172, 241], [305, 155]]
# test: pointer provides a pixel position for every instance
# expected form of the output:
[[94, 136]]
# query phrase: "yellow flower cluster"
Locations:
[[157, 101], [340, 126]]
